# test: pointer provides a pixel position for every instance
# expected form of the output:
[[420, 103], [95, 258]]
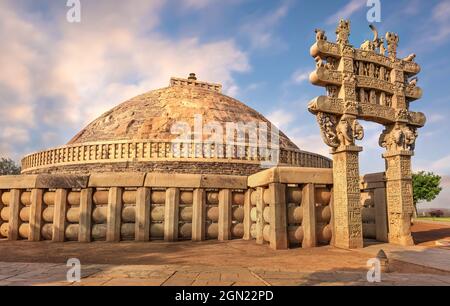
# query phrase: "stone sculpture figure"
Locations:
[[331, 63], [392, 40], [373, 97], [358, 130], [382, 47], [363, 96], [320, 35], [413, 82], [348, 130], [319, 62], [343, 32], [382, 73], [383, 98], [388, 101], [371, 70], [373, 45], [410, 58], [361, 68], [410, 138], [398, 138], [344, 132], [327, 124], [332, 91]]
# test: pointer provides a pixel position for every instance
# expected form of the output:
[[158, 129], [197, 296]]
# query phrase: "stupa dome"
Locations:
[[138, 135]]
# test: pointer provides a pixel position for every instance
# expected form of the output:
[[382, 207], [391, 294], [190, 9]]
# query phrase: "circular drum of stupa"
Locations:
[[188, 127]]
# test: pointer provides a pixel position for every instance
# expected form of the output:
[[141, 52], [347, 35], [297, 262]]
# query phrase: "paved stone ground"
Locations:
[[232, 263], [25, 274]]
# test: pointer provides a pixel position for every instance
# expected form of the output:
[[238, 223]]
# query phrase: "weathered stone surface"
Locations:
[[291, 174], [56, 181], [18, 181], [172, 180], [116, 179]]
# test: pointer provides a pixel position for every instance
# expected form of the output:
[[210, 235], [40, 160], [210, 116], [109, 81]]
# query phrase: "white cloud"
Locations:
[[199, 4], [435, 118], [261, 29], [308, 142], [441, 16], [281, 118], [441, 165], [300, 76], [347, 11], [59, 76]]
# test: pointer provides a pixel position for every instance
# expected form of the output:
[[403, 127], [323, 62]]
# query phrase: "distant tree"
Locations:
[[436, 213], [8, 167], [426, 186]]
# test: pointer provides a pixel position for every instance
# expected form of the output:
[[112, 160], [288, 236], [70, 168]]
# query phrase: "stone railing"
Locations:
[[290, 207], [282, 207], [142, 151], [125, 206], [374, 207]]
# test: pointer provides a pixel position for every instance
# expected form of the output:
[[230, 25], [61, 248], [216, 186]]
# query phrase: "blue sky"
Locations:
[[57, 76]]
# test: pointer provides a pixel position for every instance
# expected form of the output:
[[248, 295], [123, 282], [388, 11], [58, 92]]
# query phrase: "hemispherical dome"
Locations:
[[151, 116], [188, 127]]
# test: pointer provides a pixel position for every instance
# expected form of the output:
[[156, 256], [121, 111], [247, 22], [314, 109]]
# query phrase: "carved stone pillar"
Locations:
[[346, 196], [399, 140], [399, 196]]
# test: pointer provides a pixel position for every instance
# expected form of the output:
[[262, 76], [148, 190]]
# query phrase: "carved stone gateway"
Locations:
[[367, 84]]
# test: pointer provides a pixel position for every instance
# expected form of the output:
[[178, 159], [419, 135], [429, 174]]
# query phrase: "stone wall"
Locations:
[[374, 207], [292, 207], [125, 206], [282, 207]]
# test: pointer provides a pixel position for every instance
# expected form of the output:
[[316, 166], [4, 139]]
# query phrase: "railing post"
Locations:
[[59, 219], [36, 210], [278, 218], [225, 214], [114, 214], [84, 234], [247, 215], [309, 217], [259, 215], [14, 211], [171, 214], [198, 215], [143, 206]]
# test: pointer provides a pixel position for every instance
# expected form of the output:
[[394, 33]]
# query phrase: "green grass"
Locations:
[[443, 219]]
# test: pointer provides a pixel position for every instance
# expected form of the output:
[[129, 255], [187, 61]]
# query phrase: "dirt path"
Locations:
[[427, 233]]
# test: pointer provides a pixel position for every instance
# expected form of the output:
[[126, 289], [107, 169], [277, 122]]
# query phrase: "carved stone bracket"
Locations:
[[399, 138], [339, 132]]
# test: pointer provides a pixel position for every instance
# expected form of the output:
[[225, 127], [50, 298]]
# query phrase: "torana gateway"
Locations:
[[163, 166]]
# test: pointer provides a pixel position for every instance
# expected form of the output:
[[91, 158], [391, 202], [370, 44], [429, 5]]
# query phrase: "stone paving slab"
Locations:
[[235, 263], [430, 258], [108, 275]]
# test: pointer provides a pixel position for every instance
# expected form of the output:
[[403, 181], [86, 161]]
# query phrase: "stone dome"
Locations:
[[150, 116], [139, 135]]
